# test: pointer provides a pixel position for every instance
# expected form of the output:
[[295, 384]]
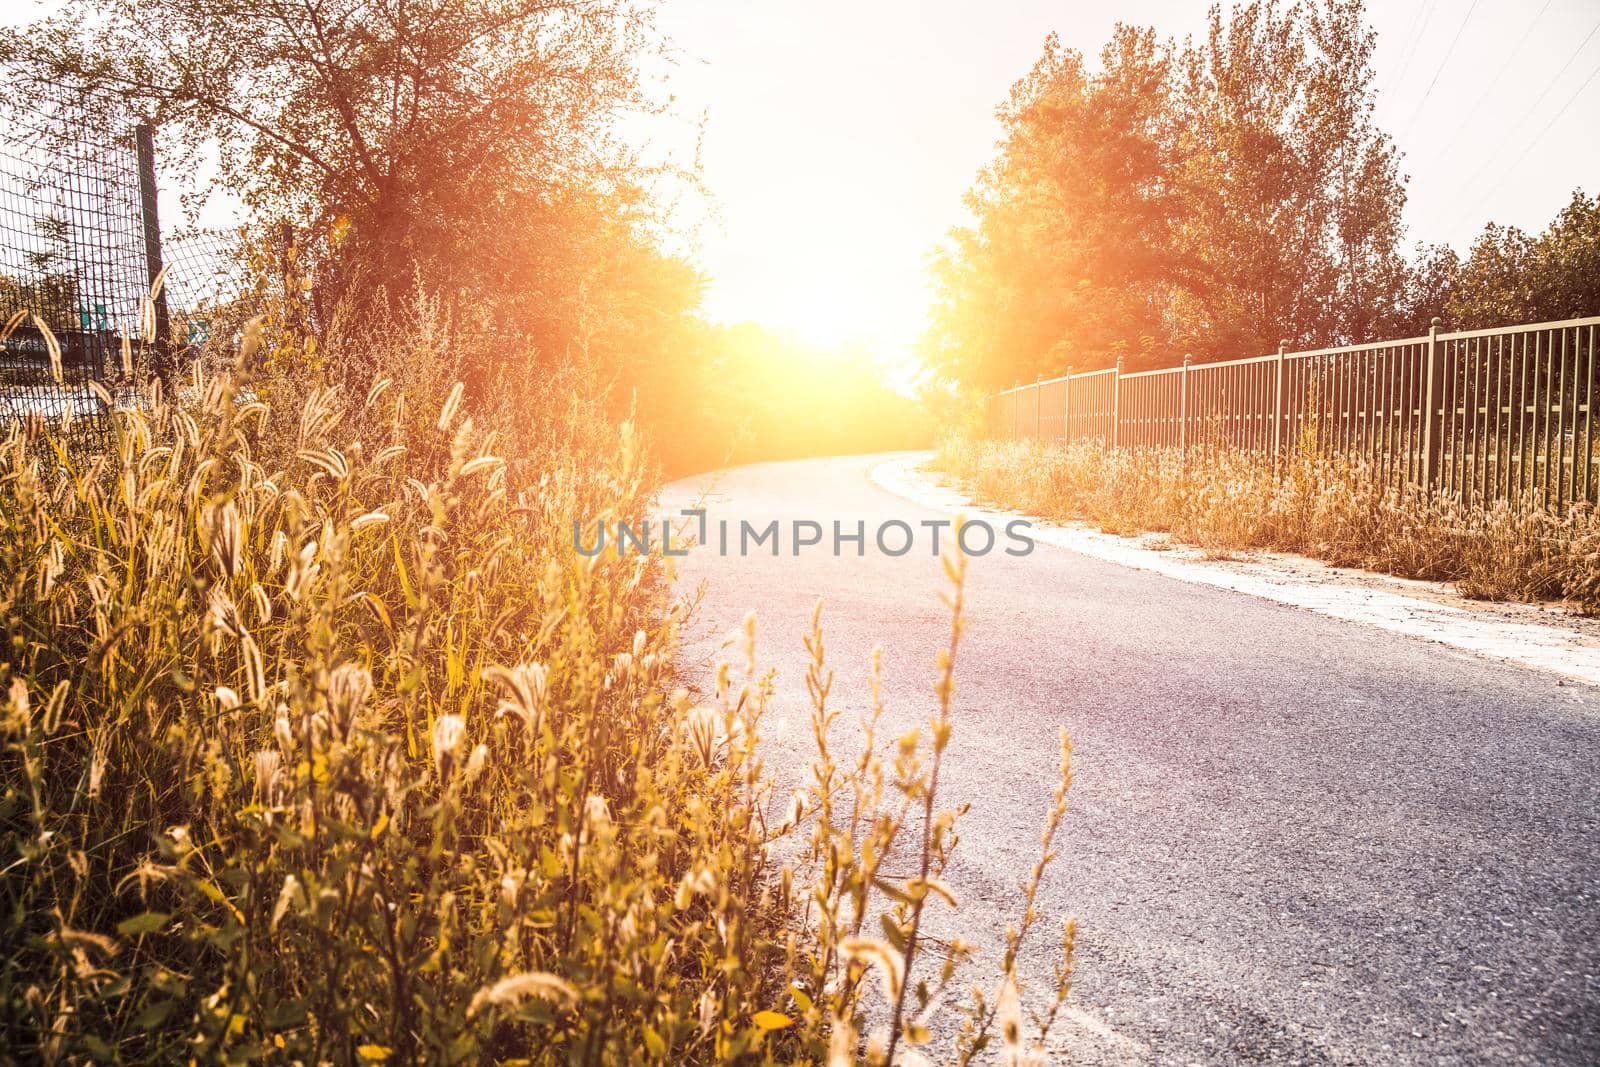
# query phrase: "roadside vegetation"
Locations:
[[1334, 510], [319, 743]]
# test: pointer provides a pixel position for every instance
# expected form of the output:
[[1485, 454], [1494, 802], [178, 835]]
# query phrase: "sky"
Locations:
[[840, 137]]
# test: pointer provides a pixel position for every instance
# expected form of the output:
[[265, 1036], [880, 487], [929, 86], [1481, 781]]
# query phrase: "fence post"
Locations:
[[145, 145], [1066, 405], [1432, 427], [1183, 407], [1116, 402], [1038, 407], [1277, 408]]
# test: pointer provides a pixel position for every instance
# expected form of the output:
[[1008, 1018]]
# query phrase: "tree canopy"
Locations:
[[1208, 196], [464, 145]]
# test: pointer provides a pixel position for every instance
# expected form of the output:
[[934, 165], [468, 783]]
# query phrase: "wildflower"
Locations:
[[349, 686], [595, 813], [748, 642], [451, 403], [870, 951], [707, 1011], [878, 1044], [842, 1043], [525, 688], [1008, 1015], [510, 886], [702, 729], [291, 893], [226, 538], [481, 463]]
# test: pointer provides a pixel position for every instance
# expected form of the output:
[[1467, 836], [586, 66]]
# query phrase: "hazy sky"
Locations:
[[841, 136]]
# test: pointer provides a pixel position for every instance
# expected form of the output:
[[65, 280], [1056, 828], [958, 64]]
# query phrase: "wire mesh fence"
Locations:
[[72, 259], [1505, 413], [80, 249]]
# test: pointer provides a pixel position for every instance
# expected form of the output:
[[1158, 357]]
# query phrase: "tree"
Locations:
[[1429, 281], [460, 145], [1073, 220], [1295, 194], [1510, 277], [1209, 198]]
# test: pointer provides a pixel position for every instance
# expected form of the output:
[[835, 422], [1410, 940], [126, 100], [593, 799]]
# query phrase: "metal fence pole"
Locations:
[[1432, 421], [1066, 405], [1116, 401], [1038, 407], [1183, 407], [1277, 407], [145, 144]]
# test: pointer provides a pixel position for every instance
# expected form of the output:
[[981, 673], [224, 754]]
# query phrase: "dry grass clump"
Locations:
[[320, 744], [1336, 510]]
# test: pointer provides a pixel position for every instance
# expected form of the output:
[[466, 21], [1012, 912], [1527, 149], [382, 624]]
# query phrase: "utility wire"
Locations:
[[1489, 158], [1530, 145], [1419, 22], [1448, 52], [1472, 112]]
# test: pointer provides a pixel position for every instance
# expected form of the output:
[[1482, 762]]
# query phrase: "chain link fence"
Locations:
[[80, 249]]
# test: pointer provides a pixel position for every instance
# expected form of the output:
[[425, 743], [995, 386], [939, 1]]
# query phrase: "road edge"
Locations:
[[1547, 647]]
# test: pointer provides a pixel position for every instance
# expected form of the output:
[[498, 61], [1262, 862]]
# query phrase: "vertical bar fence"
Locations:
[[1480, 415]]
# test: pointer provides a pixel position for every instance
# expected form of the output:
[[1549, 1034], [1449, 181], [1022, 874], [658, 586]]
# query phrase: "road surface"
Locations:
[[1291, 838]]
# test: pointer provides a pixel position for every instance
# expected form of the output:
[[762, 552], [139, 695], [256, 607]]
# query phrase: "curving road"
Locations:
[[1292, 838]]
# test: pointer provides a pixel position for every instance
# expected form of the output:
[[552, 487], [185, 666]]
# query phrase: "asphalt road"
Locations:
[[1291, 838]]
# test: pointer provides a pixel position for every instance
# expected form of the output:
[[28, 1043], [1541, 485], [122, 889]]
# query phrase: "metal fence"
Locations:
[[80, 249], [1505, 413]]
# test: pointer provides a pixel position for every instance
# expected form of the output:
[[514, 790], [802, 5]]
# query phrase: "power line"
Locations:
[[1448, 52], [1419, 22], [1472, 112], [1530, 145], [1488, 159]]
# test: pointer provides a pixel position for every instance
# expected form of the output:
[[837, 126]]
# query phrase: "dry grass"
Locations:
[[1229, 502], [319, 743]]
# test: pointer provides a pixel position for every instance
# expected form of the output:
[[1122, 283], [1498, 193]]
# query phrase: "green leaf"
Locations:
[[155, 1013], [373, 1053], [144, 923], [653, 1042], [800, 997], [772, 1020]]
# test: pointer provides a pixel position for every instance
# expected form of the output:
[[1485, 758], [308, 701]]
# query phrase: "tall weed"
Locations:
[[1336, 510], [319, 743]]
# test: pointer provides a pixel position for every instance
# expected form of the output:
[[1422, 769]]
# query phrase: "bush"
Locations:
[[320, 744], [1337, 510]]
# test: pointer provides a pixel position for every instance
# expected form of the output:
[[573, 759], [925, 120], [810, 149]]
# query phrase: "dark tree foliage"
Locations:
[[1511, 277]]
